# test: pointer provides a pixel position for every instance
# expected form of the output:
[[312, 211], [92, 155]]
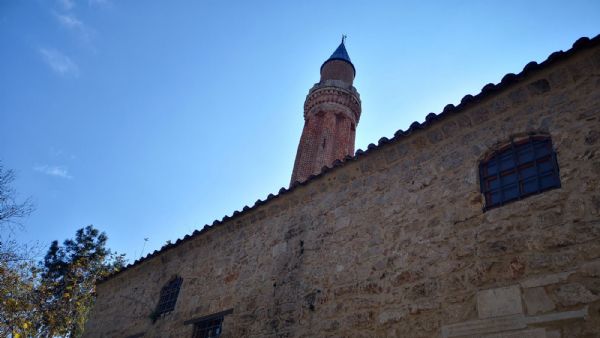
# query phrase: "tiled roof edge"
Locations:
[[466, 101]]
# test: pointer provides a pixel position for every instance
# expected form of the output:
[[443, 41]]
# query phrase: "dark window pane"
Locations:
[[548, 181], [493, 198], [493, 183], [527, 171], [542, 150], [507, 162], [529, 186], [526, 155], [545, 165], [511, 192], [509, 178], [492, 169]]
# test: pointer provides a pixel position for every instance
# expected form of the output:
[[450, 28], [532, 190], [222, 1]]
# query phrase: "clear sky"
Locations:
[[150, 119]]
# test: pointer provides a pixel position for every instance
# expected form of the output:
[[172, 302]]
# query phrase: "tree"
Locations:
[[19, 302], [53, 297], [68, 280], [18, 273]]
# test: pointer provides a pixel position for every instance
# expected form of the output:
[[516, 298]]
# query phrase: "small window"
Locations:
[[208, 328], [519, 170], [168, 296]]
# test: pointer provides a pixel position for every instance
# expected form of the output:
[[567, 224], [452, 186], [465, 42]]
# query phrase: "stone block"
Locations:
[[435, 136], [539, 87], [390, 154], [591, 269], [279, 249], [517, 96], [392, 315], [548, 279], [342, 223], [537, 301], [499, 302], [574, 293]]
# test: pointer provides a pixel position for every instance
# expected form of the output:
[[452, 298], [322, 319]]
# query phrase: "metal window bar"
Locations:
[[555, 170], [537, 168], [517, 167]]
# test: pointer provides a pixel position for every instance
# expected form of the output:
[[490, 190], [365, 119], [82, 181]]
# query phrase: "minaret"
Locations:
[[331, 113]]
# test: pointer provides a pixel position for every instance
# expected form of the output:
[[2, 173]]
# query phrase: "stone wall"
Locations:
[[396, 243]]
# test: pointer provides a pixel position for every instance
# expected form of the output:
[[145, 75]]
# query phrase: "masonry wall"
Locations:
[[396, 242]]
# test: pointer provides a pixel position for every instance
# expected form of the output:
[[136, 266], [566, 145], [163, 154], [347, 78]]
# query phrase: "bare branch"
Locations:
[[11, 211]]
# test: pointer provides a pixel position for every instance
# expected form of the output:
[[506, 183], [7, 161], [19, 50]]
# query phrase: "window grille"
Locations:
[[168, 296], [208, 328], [519, 170]]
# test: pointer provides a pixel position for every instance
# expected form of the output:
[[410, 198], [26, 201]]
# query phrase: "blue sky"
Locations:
[[150, 119]]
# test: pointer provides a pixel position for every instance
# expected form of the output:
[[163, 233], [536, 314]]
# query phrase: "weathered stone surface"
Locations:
[[574, 293], [537, 301], [392, 315], [499, 302], [547, 279], [591, 269], [553, 334], [279, 249]]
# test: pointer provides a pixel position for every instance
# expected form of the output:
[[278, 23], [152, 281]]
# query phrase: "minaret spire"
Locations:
[[331, 112]]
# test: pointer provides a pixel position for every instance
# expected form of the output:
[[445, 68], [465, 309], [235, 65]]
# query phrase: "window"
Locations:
[[168, 296], [208, 328], [518, 170]]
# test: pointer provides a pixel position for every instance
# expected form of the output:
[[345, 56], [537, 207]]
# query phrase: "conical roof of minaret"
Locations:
[[340, 54]]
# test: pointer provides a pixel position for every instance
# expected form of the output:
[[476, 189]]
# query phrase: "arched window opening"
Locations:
[[168, 296], [518, 170]]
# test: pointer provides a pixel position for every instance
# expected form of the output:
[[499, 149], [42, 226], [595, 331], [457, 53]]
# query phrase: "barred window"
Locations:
[[521, 169], [208, 328], [168, 296]]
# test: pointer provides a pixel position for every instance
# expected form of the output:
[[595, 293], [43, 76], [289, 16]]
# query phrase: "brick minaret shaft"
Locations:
[[331, 112]]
